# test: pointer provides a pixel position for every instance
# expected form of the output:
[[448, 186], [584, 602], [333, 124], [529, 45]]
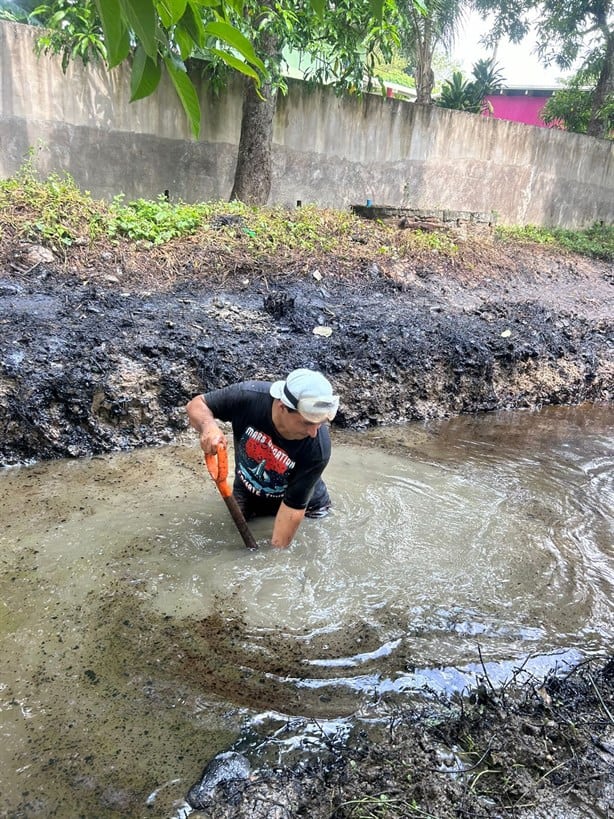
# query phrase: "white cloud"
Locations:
[[518, 62]]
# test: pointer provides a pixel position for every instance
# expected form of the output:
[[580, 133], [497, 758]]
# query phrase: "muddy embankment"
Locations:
[[94, 363]]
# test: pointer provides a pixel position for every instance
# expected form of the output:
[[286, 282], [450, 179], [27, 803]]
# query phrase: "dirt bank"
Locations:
[[102, 351]]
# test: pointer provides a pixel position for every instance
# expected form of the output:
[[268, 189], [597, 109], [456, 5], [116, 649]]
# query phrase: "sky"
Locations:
[[518, 62]]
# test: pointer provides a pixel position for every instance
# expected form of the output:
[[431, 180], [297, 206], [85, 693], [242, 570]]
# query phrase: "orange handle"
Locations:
[[217, 465]]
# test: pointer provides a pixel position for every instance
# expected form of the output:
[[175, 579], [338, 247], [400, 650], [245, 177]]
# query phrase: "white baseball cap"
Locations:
[[309, 393]]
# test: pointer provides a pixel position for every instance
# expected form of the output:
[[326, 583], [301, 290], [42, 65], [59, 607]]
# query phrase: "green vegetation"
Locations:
[[566, 33], [85, 42], [57, 214], [219, 37], [596, 241], [263, 230], [156, 221], [572, 107], [464, 95], [54, 212]]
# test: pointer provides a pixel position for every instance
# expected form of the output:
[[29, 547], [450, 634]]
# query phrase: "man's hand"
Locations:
[[202, 420], [211, 436]]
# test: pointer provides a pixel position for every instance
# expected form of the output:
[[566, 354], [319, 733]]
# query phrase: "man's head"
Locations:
[[308, 393]]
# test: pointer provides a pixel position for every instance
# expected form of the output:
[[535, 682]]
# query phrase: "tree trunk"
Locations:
[[425, 80], [598, 125], [252, 182], [423, 75]]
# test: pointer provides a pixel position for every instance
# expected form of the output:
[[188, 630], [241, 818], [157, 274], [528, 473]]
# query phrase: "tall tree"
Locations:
[[341, 39], [421, 32], [571, 107], [252, 182], [566, 30], [340, 43]]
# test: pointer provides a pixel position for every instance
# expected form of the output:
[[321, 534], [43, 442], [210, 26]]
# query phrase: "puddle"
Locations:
[[139, 637]]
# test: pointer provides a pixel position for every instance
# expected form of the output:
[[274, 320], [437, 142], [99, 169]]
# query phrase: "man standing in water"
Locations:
[[281, 444]]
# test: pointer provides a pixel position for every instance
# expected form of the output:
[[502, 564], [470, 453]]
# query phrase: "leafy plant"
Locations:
[[488, 78], [566, 32], [73, 31], [470, 95], [53, 211], [156, 222], [458, 94], [574, 107]]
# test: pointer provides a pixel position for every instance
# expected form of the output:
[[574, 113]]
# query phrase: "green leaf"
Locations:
[[377, 9], [192, 24], [56, 19], [184, 41], [233, 37], [319, 6], [236, 5], [115, 32], [145, 75], [186, 93], [171, 11], [142, 18], [236, 63]]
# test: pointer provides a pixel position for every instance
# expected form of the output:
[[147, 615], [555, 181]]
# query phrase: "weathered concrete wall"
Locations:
[[328, 149]]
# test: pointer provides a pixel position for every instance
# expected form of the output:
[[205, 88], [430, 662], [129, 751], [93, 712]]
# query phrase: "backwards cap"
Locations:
[[310, 393]]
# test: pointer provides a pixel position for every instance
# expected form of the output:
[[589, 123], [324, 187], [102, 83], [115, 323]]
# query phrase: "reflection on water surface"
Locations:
[[139, 636]]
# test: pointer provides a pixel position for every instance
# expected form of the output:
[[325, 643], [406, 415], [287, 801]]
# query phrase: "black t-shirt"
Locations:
[[269, 468]]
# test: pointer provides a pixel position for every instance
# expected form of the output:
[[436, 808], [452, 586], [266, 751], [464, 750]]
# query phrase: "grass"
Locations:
[[54, 212], [596, 241], [383, 806]]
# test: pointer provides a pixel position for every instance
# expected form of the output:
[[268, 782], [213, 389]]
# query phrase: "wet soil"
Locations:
[[542, 749], [100, 351]]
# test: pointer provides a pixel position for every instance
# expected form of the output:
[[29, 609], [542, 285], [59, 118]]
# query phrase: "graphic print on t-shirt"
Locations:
[[264, 468]]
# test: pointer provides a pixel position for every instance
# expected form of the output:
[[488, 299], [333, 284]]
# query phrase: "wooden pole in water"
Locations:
[[217, 466]]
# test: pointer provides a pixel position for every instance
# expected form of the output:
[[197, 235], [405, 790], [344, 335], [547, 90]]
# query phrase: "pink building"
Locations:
[[521, 104]]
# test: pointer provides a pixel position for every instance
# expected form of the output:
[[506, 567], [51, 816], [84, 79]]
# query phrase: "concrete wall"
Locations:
[[330, 150]]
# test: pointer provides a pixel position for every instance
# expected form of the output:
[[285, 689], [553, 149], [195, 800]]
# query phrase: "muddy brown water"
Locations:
[[139, 637]]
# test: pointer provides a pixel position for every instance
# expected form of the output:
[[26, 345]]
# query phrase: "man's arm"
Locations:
[[202, 420], [286, 525]]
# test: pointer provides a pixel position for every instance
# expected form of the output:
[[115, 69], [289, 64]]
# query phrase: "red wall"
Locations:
[[518, 108]]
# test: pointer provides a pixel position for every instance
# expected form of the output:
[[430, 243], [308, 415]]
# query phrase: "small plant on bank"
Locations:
[[436, 242], [155, 222]]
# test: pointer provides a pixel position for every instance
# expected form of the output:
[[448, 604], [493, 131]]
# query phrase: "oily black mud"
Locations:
[[532, 751], [95, 363]]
